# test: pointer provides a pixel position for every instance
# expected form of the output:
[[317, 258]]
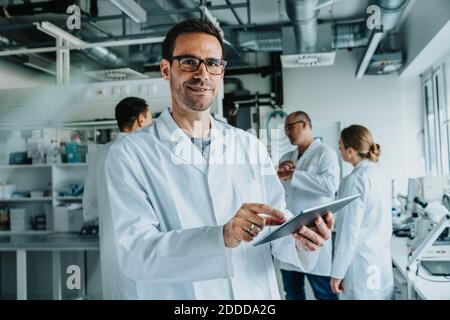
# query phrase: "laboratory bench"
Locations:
[[56, 243], [424, 286]]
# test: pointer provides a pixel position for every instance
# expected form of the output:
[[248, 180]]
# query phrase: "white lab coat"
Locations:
[[90, 205], [315, 181], [363, 232], [162, 217]]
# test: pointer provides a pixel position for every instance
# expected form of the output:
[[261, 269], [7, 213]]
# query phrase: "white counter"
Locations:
[[427, 286]]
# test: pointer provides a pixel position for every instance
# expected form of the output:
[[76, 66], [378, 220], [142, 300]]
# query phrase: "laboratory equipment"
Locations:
[[7, 190], [4, 218], [19, 219], [68, 218], [36, 147], [16, 158], [396, 205], [71, 189], [15, 145], [431, 250], [425, 206]]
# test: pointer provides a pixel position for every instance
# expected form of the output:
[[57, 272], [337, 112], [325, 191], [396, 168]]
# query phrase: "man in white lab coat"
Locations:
[[181, 200], [310, 176], [131, 114]]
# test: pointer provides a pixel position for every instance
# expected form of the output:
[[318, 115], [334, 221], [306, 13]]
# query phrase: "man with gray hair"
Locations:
[[310, 176]]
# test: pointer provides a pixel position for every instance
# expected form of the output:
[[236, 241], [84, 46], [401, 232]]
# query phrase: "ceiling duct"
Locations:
[[303, 14], [34, 8], [262, 41], [104, 56], [391, 14], [349, 35], [32, 60]]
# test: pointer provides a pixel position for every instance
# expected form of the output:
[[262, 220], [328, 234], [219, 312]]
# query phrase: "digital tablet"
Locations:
[[305, 218]]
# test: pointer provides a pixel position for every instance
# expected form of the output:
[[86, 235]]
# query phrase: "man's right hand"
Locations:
[[247, 223], [286, 170]]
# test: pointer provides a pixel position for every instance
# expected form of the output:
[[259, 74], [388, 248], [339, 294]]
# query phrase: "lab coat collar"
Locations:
[[314, 145], [182, 146], [362, 164], [121, 134]]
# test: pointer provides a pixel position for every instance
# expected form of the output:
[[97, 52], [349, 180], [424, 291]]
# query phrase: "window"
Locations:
[[436, 117]]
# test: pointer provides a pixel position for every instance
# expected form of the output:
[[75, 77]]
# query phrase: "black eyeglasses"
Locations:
[[191, 64], [289, 126]]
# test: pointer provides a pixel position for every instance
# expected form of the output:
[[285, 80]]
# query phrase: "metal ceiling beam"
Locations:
[[234, 12], [105, 44], [177, 11]]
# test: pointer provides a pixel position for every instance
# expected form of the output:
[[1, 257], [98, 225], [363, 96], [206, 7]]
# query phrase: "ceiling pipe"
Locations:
[[391, 14], [34, 8], [303, 14], [104, 56]]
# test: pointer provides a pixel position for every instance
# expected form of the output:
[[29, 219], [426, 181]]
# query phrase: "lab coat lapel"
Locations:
[[305, 159], [218, 143], [182, 148]]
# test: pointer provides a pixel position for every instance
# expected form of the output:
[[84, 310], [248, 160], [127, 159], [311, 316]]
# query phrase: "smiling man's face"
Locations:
[[193, 90]]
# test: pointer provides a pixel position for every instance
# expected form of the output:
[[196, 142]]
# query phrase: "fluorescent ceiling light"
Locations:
[[370, 51], [132, 9], [57, 32]]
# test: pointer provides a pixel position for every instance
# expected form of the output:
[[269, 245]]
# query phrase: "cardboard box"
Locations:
[[66, 219]]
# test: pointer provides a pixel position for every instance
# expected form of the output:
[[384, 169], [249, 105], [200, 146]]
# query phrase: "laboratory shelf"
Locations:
[[63, 165], [37, 199], [35, 166], [69, 198], [25, 233], [25, 166]]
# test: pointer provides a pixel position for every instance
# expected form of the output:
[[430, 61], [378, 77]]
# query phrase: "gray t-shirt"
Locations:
[[203, 145]]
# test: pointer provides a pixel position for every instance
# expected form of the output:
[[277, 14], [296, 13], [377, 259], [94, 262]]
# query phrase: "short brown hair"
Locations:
[[360, 139], [189, 26]]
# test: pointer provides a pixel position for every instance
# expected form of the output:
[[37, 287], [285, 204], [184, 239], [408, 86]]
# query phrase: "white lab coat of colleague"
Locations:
[[363, 233], [90, 205], [162, 217], [315, 181]]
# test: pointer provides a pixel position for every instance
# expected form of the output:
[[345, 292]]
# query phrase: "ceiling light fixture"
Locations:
[[375, 40]]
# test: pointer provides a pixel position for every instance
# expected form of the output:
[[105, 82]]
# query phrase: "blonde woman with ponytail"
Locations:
[[362, 266]]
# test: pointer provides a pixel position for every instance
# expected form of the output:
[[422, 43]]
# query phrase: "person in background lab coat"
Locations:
[[362, 265], [178, 212], [310, 176], [131, 114]]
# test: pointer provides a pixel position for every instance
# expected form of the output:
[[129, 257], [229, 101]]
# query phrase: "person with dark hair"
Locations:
[[131, 114], [310, 177], [362, 265], [178, 208]]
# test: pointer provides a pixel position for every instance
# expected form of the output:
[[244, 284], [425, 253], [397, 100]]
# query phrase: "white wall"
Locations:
[[425, 35], [388, 106], [423, 23], [15, 76]]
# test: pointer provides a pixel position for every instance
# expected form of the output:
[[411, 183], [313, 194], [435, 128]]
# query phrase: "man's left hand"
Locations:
[[336, 285], [311, 239]]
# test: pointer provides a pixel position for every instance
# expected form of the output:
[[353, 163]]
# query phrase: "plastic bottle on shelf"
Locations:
[[36, 147], [15, 143]]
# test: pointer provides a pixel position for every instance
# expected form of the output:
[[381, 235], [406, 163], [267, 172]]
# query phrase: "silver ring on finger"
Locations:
[[249, 230]]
